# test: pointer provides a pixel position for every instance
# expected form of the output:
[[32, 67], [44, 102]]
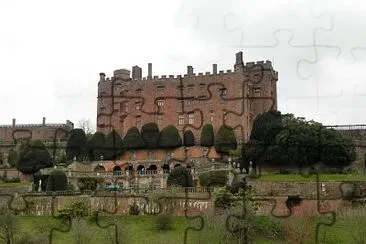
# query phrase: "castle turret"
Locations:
[[122, 74], [149, 71], [102, 77], [239, 64], [136, 72]]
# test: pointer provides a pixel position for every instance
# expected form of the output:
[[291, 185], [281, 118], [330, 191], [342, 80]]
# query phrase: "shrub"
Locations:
[[224, 199], [207, 136], [57, 181], [87, 183], [188, 138], [180, 177], [95, 146], [163, 222], [213, 178], [76, 145], [150, 134], [170, 138], [225, 140], [114, 146], [293, 201], [134, 209], [133, 139]]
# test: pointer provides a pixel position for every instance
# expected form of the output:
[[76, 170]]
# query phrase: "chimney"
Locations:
[[149, 71], [136, 72], [13, 122], [189, 70], [102, 77], [239, 64], [44, 121], [214, 69]]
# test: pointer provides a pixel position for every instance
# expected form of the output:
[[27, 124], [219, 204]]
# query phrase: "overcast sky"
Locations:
[[51, 52]]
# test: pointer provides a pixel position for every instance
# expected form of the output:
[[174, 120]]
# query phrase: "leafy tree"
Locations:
[[87, 183], [188, 138], [170, 138], [133, 139], [180, 177], [33, 156], [114, 146], [57, 181], [213, 178], [225, 140], [96, 146], [266, 126], [207, 136], [150, 134], [75, 210], [76, 145]]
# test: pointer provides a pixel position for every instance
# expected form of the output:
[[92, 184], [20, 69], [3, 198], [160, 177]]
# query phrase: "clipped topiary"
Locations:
[[150, 134], [95, 146], [207, 136], [57, 181], [180, 177], [76, 145], [225, 140], [188, 138], [114, 146], [133, 139], [170, 138]]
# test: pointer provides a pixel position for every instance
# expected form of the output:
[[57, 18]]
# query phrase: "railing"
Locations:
[[125, 190], [347, 127]]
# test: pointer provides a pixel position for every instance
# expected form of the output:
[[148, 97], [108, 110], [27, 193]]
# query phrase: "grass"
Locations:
[[322, 177], [10, 184], [141, 229]]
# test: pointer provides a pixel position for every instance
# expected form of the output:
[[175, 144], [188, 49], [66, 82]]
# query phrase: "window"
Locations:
[[160, 102], [224, 115], [180, 103], [160, 119], [257, 92], [190, 101], [137, 106], [191, 118], [202, 85], [125, 106], [211, 116], [181, 119], [160, 89], [202, 99], [116, 106], [223, 93], [108, 184], [138, 91], [138, 121]]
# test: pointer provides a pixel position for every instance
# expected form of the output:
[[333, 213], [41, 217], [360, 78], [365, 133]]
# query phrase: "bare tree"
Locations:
[[87, 126]]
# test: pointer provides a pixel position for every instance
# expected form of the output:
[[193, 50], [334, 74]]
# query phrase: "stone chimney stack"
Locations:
[[149, 71], [44, 121], [239, 64], [13, 122], [102, 77], [136, 72], [214, 69], [189, 70]]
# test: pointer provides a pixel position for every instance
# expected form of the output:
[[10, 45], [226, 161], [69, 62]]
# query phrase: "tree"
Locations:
[[12, 157], [188, 138], [150, 134], [225, 140], [114, 146], [76, 145], [33, 156], [170, 138], [133, 139], [96, 146], [207, 136], [180, 177], [57, 181], [87, 127]]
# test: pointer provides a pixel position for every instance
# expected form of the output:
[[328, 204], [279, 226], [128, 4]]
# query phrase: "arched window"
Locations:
[[117, 170]]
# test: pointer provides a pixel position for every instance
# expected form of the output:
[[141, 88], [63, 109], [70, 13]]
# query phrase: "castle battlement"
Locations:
[[124, 74], [36, 126]]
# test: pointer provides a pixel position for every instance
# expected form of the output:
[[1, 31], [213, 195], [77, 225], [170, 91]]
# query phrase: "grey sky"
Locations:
[[51, 52]]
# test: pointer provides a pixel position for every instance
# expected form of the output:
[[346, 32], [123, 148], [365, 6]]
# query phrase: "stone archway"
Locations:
[[141, 170], [166, 169], [99, 169], [152, 169], [117, 170]]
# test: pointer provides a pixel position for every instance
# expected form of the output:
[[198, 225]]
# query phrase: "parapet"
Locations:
[[123, 74], [265, 64]]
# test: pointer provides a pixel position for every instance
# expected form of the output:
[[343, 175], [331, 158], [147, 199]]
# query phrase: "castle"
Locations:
[[231, 98], [43, 131]]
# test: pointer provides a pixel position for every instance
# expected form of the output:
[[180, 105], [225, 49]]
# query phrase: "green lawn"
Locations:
[[8, 184], [322, 177], [141, 229]]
